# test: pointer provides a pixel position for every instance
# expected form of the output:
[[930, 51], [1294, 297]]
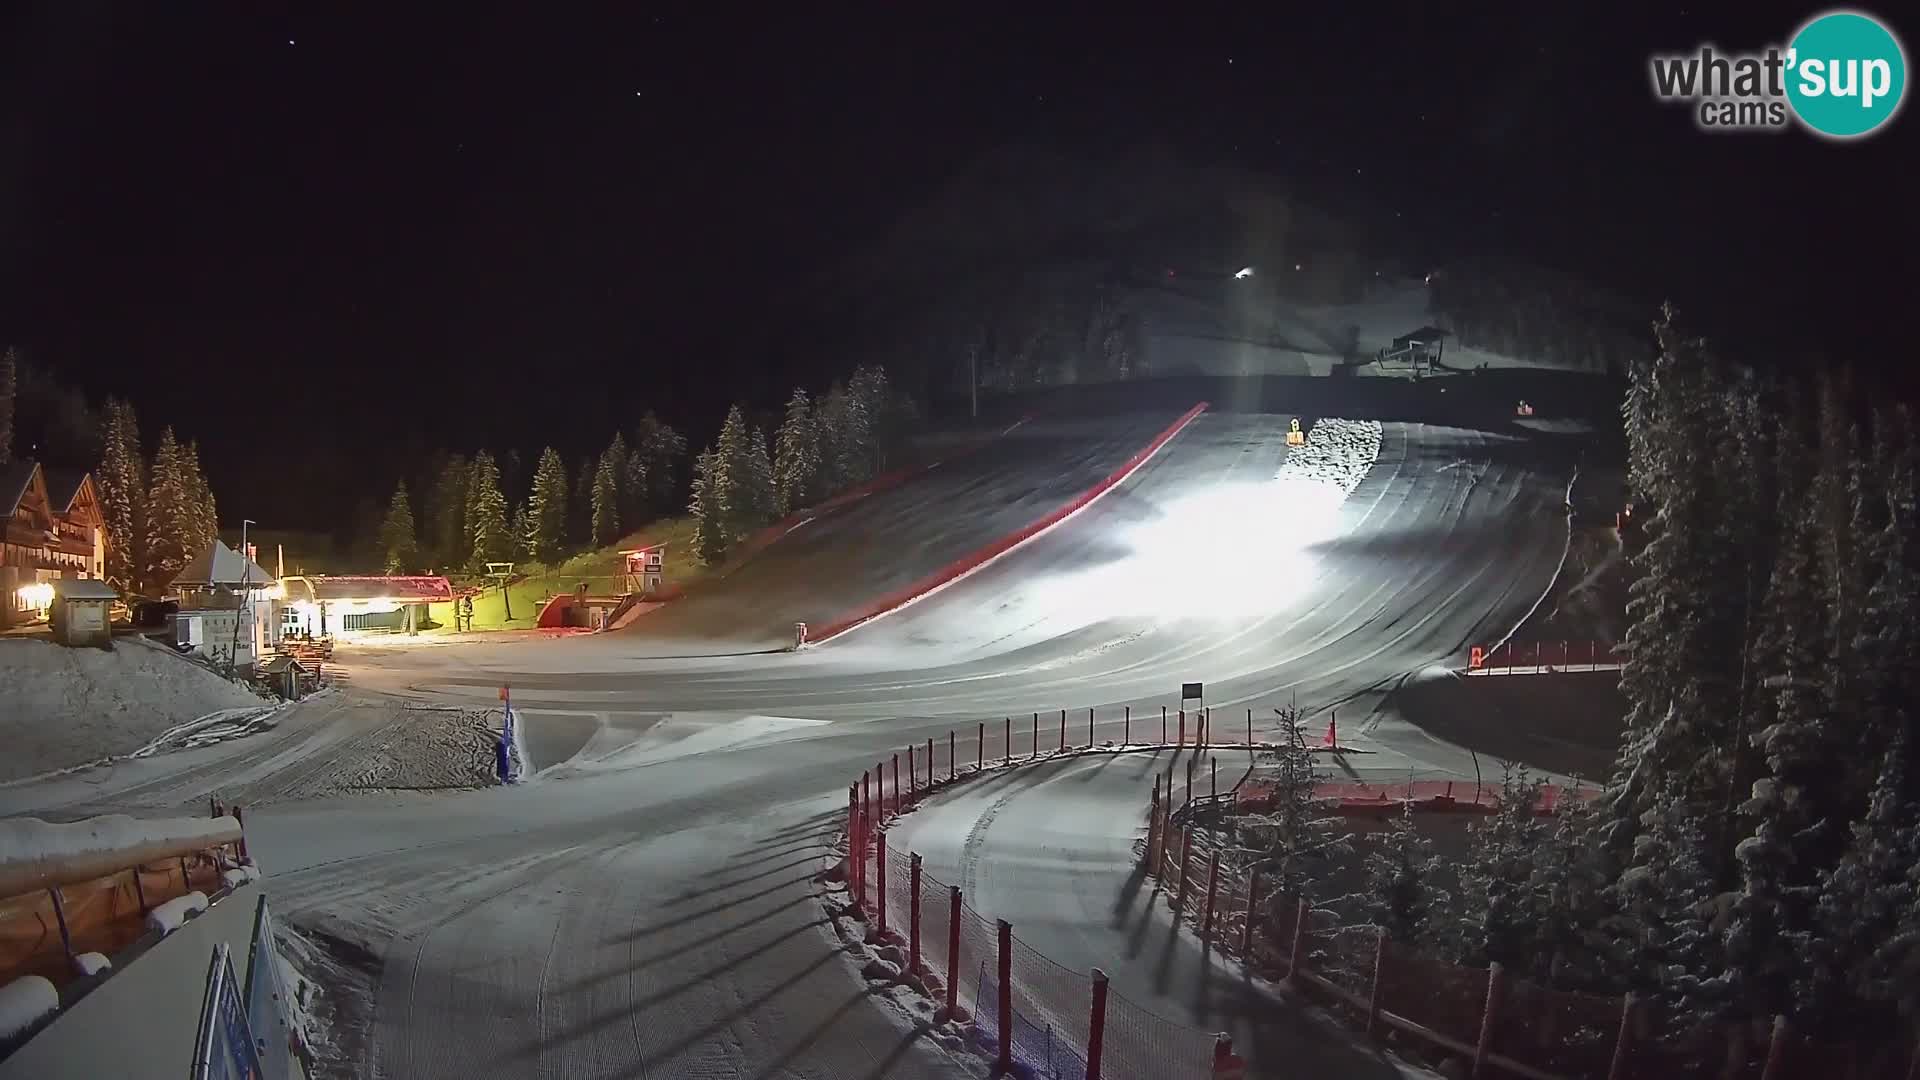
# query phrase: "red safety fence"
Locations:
[[1543, 657], [1513, 1025], [1356, 798]]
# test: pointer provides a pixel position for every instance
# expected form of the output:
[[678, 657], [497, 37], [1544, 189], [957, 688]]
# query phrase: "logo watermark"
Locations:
[[1842, 75]]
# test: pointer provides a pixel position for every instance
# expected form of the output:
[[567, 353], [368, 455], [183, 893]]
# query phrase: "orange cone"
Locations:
[[1333, 738]]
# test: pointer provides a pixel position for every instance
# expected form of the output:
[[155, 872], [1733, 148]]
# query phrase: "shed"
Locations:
[[80, 614]]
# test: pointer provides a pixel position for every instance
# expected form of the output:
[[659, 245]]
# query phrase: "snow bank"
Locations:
[[91, 963], [1337, 452], [25, 1002], [240, 875], [35, 854], [169, 916], [68, 707]]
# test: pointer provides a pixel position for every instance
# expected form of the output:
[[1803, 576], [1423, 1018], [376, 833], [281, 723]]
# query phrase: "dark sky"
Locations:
[[363, 224]]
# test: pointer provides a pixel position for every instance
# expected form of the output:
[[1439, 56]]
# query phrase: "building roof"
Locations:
[[84, 589], [63, 487], [390, 588], [221, 565], [16, 478], [1426, 335]]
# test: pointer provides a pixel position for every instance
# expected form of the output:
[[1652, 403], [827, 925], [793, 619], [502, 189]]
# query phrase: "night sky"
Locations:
[[375, 229]]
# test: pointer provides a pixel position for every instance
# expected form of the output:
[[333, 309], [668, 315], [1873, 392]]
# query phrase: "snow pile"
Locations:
[[239, 875], [1337, 453], [169, 916], [212, 728], [24, 1003], [68, 707], [34, 852], [91, 963]]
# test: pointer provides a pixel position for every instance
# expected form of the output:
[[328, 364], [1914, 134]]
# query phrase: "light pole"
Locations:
[[244, 610]]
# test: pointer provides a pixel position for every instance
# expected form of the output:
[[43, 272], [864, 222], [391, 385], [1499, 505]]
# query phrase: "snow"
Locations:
[[25, 1002], [240, 875], [30, 847], [663, 742], [91, 963], [169, 916], [69, 707]]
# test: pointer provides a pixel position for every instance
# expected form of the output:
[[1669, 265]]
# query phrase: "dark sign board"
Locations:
[[1189, 690]]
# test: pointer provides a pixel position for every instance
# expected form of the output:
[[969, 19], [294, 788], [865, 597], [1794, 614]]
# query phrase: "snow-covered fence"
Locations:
[[1544, 658], [1027, 1012], [1499, 1023]]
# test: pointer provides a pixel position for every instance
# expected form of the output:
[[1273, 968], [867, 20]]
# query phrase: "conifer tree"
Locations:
[[397, 536], [1400, 891], [490, 536], [1299, 836], [606, 499], [761, 498], [121, 481], [546, 509], [658, 451], [629, 489], [451, 542], [203, 521], [708, 509], [796, 456], [1668, 948], [169, 506], [1493, 908]]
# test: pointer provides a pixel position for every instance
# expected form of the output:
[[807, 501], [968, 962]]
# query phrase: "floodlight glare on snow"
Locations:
[[1244, 272]]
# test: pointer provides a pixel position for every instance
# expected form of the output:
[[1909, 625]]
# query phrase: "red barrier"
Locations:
[[975, 561]]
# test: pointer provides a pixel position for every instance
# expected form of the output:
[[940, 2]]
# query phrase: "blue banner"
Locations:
[[267, 1003], [225, 1045]]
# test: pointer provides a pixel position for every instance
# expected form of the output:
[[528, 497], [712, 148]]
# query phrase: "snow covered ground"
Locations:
[[67, 707]]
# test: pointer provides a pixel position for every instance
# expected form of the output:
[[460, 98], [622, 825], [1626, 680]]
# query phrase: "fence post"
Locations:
[[953, 949], [1163, 725], [1183, 727], [1296, 956], [1489, 1018], [930, 758], [60, 916], [1213, 886], [913, 914], [1089, 727], [951, 767], [1213, 779], [853, 842], [240, 819], [866, 794], [857, 857], [1623, 1042], [1253, 906], [1249, 730], [139, 890], [1186, 850], [1005, 1004], [1373, 996], [1097, 1024], [912, 772], [1009, 760], [1126, 731], [1036, 737], [1776, 1049], [1063, 729], [880, 868], [898, 804], [1153, 826]]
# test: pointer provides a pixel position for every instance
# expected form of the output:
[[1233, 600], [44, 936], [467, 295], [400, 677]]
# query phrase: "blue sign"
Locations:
[[226, 1050], [267, 1002]]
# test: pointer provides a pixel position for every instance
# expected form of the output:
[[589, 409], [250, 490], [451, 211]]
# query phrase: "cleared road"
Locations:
[[643, 909]]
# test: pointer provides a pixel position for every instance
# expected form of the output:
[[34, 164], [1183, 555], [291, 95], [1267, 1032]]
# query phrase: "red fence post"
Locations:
[[1623, 1042], [953, 949], [1163, 725], [880, 868], [1213, 887], [1249, 729], [1253, 907], [1006, 997], [1183, 727], [896, 784], [951, 767], [912, 772], [1489, 1018], [1213, 778], [1097, 1024], [1373, 996], [853, 841], [930, 758], [1776, 1050], [913, 914], [1296, 957], [866, 795], [857, 858]]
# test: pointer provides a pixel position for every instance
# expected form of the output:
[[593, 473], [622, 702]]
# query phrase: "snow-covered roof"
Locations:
[[16, 479], [36, 854], [371, 588], [63, 487], [221, 565], [84, 589]]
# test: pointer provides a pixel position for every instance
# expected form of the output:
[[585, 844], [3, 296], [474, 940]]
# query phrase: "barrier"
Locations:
[[967, 565], [1543, 657]]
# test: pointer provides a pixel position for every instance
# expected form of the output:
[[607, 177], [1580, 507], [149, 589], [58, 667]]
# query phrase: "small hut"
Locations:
[[81, 612]]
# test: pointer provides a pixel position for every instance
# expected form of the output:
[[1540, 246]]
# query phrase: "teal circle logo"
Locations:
[[1846, 74]]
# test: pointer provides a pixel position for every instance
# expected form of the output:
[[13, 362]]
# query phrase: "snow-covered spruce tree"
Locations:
[[846, 431], [1491, 916], [580, 503], [203, 518], [1298, 837], [629, 488], [606, 500], [657, 453], [1667, 946], [1887, 642], [1401, 890], [761, 498], [708, 508], [886, 416], [121, 482], [796, 456], [448, 535], [546, 509], [168, 525], [488, 529], [397, 536], [1849, 988], [1572, 916]]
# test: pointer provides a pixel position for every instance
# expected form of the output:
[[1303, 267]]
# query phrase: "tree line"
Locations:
[[1756, 850]]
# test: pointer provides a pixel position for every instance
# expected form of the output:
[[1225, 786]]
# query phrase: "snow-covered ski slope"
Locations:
[[645, 909]]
